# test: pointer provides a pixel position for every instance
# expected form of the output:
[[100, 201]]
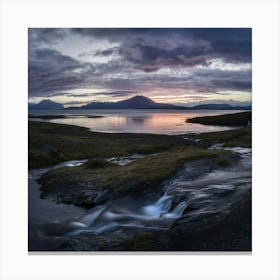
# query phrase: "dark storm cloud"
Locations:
[[207, 81], [152, 49], [49, 71], [137, 61], [154, 58], [111, 93], [79, 95], [37, 36], [118, 93], [106, 52], [241, 85], [233, 44]]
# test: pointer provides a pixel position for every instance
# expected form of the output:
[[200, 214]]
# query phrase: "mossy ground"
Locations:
[[53, 143], [66, 142], [231, 138], [137, 178]]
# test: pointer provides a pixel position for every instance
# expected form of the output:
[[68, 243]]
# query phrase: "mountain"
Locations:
[[136, 102], [142, 102], [45, 104], [222, 106]]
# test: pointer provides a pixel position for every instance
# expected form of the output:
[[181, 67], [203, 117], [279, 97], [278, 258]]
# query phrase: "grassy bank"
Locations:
[[230, 138], [238, 119], [51, 143], [99, 179]]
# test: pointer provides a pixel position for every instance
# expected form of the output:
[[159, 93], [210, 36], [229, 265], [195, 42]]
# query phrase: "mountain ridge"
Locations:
[[135, 102], [45, 104]]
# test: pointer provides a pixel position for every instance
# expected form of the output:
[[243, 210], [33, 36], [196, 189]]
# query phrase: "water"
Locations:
[[136, 121], [215, 191], [43, 210], [159, 214], [195, 198], [128, 159], [206, 195]]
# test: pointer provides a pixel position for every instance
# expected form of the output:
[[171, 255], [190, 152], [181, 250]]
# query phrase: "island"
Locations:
[[237, 119]]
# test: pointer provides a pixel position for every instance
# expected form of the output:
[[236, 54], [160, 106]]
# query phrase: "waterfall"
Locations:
[[177, 211], [92, 216], [103, 218], [162, 205]]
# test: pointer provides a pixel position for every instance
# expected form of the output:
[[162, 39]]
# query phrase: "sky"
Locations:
[[186, 66]]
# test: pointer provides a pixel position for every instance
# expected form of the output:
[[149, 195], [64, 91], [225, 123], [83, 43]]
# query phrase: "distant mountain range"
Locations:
[[45, 104], [136, 102]]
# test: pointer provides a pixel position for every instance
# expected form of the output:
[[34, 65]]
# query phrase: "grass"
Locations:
[[139, 177], [53, 143], [68, 142], [222, 162], [230, 138], [238, 119]]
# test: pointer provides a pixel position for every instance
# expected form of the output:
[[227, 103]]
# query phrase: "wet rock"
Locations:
[[48, 148]]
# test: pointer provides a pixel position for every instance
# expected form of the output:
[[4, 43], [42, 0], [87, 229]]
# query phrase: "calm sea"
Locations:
[[136, 121]]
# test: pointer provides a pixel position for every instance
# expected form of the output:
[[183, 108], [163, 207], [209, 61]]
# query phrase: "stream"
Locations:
[[195, 197]]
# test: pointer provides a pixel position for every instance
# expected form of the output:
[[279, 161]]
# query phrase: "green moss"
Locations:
[[231, 138], [222, 162], [75, 142], [97, 163], [37, 158], [143, 175]]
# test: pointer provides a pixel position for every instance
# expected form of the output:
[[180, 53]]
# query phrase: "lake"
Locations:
[[136, 121]]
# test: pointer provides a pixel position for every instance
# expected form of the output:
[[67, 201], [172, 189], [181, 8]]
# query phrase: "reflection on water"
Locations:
[[137, 121]]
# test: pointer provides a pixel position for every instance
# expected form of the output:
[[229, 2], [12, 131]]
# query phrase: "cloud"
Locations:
[[217, 101], [241, 85], [140, 60], [111, 93], [50, 72], [106, 52], [39, 36], [152, 49], [74, 102]]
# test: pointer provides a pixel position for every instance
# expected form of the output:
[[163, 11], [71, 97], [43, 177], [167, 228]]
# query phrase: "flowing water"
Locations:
[[206, 195], [213, 192], [43, 210], [195, 198]]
